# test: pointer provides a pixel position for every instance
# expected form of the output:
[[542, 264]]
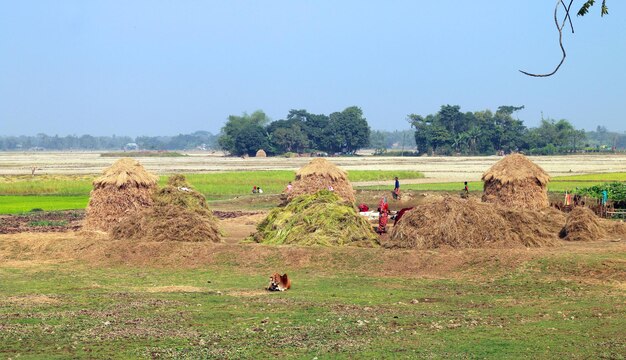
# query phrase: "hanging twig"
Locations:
[[559, 28]]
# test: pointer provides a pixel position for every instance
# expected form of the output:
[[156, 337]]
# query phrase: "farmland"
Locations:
[[68, 294]]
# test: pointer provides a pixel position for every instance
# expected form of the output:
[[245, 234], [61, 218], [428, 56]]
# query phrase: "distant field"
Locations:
[[62, 192], [142, 154]]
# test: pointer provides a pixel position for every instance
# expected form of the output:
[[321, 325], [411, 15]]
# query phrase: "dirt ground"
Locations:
[[435, 168]]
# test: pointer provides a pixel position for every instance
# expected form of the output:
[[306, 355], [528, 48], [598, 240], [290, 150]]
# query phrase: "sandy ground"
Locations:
[[435, 168]]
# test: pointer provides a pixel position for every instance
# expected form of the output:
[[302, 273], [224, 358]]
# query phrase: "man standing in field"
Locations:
[[396, 189]]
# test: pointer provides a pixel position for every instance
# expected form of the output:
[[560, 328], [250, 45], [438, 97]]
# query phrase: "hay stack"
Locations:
[[320, 174], [583, 225], [124, 188], [261, 153], [516, 182], [318, 219], [179, 213], [460, 223]]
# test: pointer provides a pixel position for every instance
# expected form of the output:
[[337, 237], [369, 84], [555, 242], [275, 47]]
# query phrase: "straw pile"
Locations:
[[261, 153], [320, 174], [583, 225], [179, 213], [516, 182], [460, 223], [318, 219], [124, 188]]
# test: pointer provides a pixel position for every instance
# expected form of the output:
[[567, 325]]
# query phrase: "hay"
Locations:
[[125, 173], [460, 223], [123, 189], [179, 213], [261, 153], [320, 174], [516, 182], [167, 223], [318, 219], [583, 225]]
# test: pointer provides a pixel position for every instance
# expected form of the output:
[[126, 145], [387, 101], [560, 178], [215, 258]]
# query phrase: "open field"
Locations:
[[66, 296], [71, 294], [451, 169]]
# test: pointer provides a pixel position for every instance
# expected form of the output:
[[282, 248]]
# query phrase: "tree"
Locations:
[[560, 25], [347, 131], [244, 134]]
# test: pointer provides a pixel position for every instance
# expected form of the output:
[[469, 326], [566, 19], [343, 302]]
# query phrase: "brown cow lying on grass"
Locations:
[[279, 282]]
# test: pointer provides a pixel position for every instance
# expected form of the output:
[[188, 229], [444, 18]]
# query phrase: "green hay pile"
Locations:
[[317, 219], [179, 213], [179, 192]]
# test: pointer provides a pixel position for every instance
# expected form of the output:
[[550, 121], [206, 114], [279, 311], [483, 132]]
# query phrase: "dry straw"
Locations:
[[179, 213], [261, 153], [124, 188], [321, 174], [318, 219], [459, 223], [516, 182], [584, 225]]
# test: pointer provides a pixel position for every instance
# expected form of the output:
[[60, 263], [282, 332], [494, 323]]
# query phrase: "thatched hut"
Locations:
[[179, 213], [321, 219], [261, 153], [459, 223], [321, 174], [516, 182], [124, 188]]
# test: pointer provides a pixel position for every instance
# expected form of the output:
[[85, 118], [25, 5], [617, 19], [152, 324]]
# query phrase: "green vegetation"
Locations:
[[48, 223], [63, 192], [26, 203], [451, 131], [345, 132], [143, 154], [219, 311], [317, 219], [616, 191]]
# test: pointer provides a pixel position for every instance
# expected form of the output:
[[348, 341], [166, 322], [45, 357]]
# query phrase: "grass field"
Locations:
[[64, 192], [544, 308]]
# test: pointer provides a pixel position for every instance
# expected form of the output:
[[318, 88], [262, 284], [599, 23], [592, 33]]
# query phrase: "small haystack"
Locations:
[[124, 188], [261, 153], [460, 223], [321, 174], [317, 219], [583, 225], [179, 213], [516, 182]]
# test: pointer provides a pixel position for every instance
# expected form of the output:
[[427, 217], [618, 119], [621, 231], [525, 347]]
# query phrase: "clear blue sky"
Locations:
[[169, 67]]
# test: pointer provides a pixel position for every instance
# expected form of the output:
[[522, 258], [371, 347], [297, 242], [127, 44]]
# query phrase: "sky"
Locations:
[[169, 67]]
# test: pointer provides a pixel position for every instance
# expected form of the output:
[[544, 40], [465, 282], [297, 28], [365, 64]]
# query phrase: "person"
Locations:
[[254, 189], [605, 197], [383, 215], [396, 189], [465, 193], [289, 187], [259, 190]]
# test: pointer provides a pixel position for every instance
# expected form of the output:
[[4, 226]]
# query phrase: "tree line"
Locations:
[[340, 132], [451, 131]]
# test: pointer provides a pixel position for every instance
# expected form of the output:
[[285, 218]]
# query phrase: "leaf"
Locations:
[[585, 8]]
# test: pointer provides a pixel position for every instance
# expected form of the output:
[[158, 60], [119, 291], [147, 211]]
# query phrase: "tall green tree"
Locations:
[[244, 134]]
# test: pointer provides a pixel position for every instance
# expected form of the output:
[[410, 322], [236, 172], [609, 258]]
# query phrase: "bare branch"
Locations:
[[559, 28]]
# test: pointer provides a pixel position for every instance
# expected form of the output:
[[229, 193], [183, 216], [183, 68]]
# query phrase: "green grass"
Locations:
[[212, 185], [21, 204], [48, 223], [118, 312]]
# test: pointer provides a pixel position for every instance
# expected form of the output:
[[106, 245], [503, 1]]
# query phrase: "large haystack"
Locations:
[[517, 183], [124, 188], [179, 213], [460, 223], [261, 153], [318, 219], [321, 174]]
